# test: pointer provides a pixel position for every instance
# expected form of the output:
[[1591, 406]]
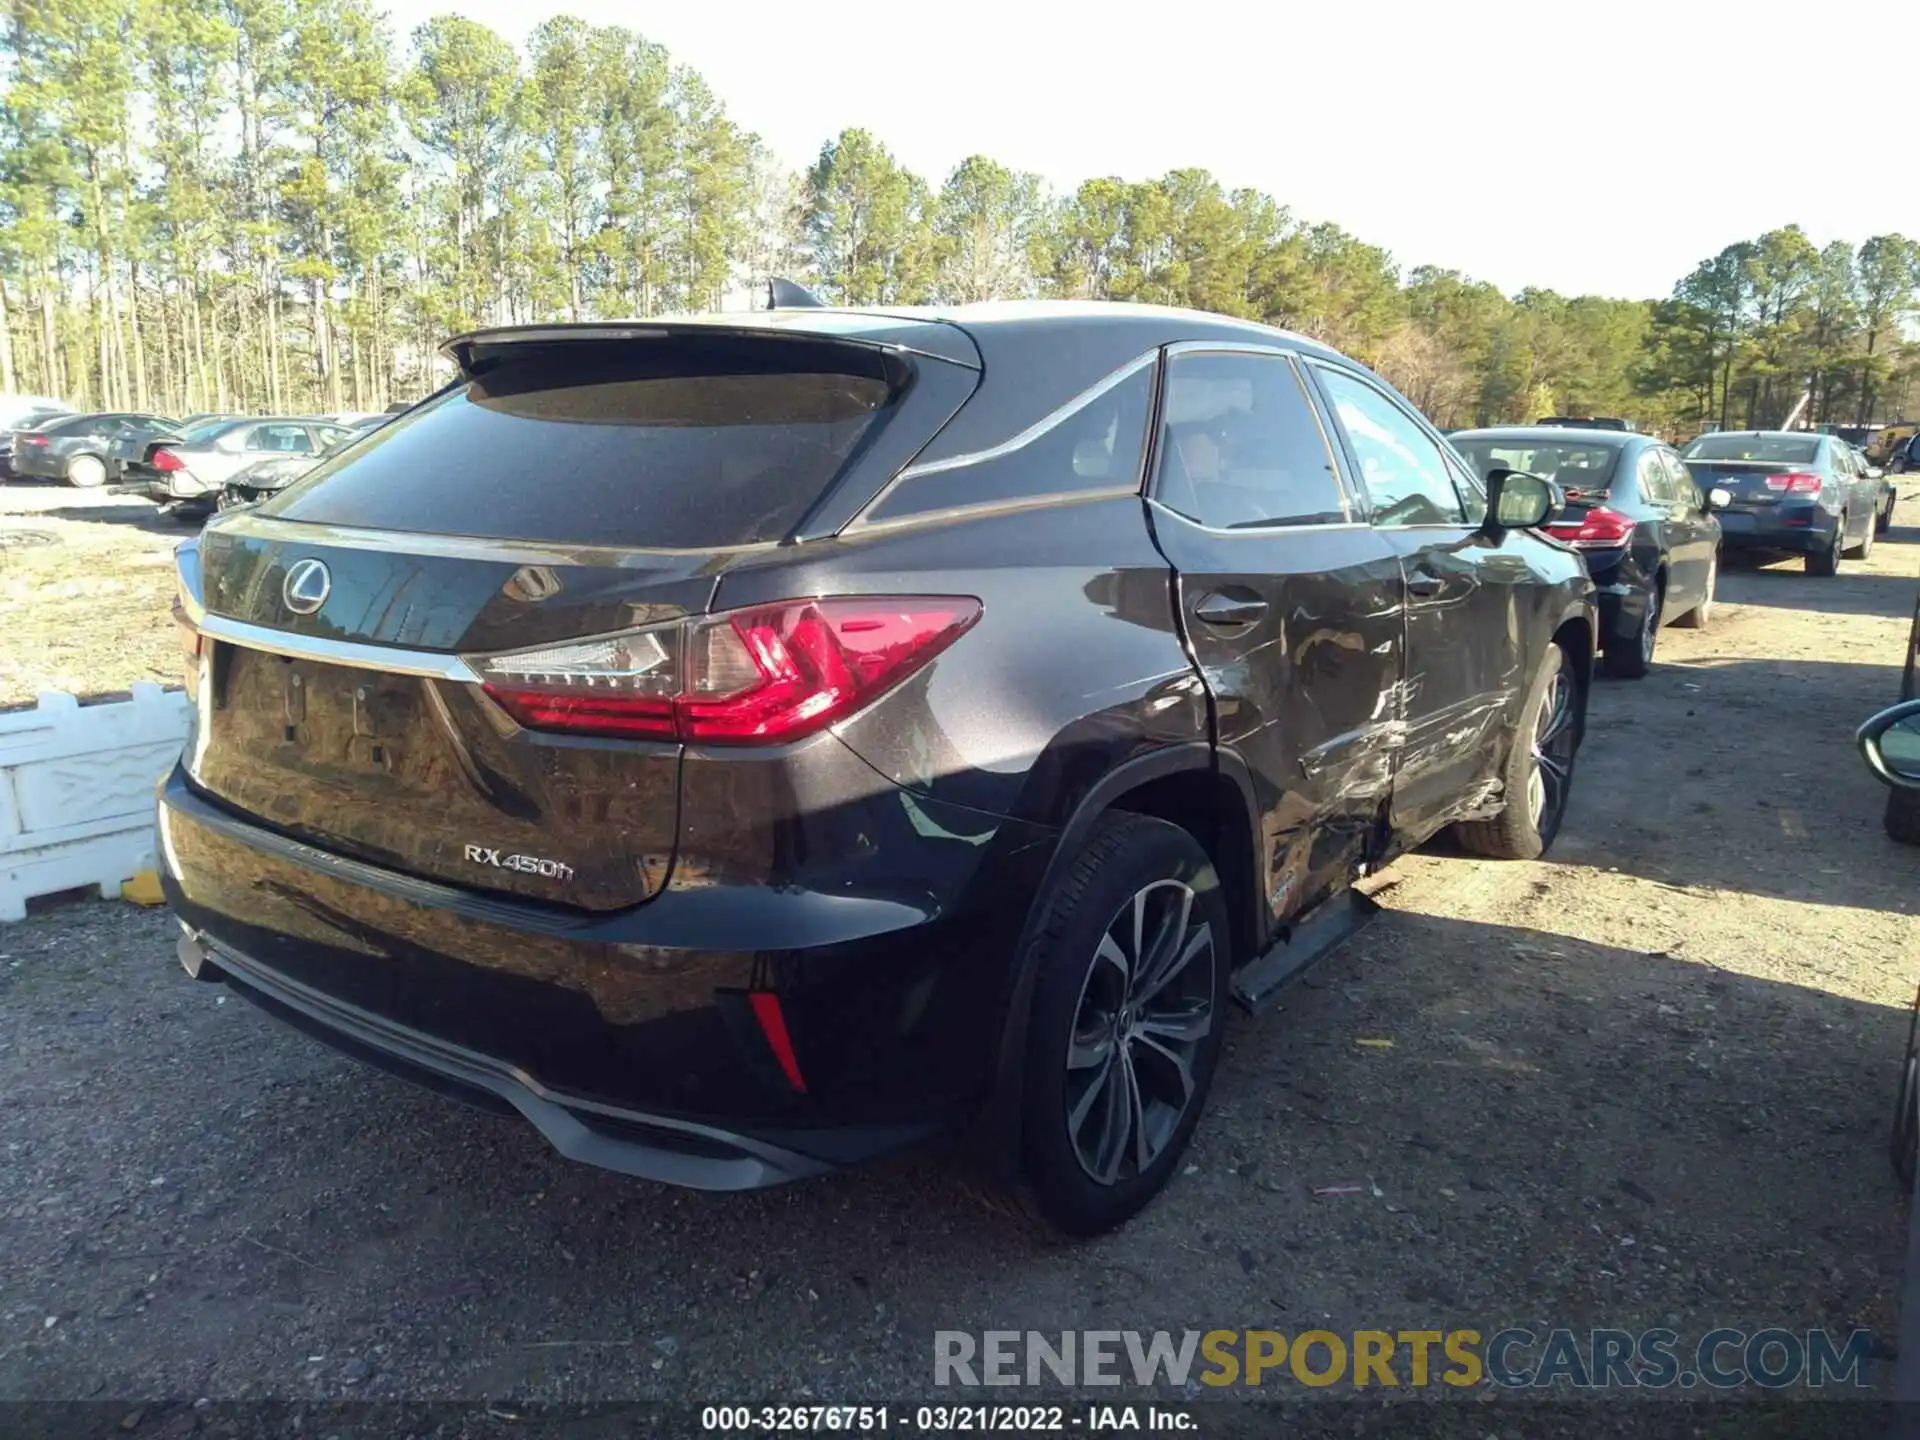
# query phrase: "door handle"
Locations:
[[1221, 609], [1424, 585]]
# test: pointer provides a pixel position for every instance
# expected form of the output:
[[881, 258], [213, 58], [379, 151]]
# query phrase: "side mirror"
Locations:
[[1890, 741], [1519, 501], [1874, 472], [1719, 497]]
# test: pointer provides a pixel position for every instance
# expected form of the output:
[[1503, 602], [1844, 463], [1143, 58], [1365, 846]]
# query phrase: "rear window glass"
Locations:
[[1774, 449], [1585, 468], [77, 424], [675, 444]]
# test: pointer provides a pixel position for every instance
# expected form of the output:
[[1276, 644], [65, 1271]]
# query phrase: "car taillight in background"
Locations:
[[1795, 482], [760, 676], [166, 462], [37, 441], [1599, 529]]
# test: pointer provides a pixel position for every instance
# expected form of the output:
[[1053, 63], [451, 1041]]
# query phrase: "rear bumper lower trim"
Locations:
[[687, 1154]]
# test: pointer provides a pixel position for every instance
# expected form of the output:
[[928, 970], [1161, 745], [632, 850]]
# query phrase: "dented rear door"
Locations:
[[1291, 607]]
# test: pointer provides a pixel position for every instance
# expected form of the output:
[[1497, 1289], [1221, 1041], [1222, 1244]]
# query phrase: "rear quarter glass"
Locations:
[[679, 444]]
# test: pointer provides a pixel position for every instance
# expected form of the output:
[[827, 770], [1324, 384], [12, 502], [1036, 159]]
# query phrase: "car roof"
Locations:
[[1034, 356], [1555, 434], [1784, 434]]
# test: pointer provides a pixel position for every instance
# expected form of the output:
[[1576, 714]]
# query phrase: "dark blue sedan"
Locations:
[[1789, 491], [1650, 543]]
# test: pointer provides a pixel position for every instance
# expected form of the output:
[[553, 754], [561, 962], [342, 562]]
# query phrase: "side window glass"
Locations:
[[1656, 486], [1472, 494], [1095, 446], [1406, 480], [1684, 490], [1240, 446], [280, 439]]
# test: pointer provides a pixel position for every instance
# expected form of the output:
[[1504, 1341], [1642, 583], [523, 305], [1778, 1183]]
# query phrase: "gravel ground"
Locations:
[[1643, 1083]]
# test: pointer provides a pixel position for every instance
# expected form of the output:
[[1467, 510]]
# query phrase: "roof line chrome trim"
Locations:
[[465, 547], [1278, 527], [427, 664], [986, 508]]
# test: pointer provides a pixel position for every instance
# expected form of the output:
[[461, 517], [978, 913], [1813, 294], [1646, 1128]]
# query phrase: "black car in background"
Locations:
[[1631, 508], [1791, 491], [27, 420], [749, 745], [84, 450]]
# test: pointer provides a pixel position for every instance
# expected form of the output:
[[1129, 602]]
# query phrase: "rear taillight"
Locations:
[[1599, 529], [165, 461], [34, 440], [762, 676], [1795, 482]]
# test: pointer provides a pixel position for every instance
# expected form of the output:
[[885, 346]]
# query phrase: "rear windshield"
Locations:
[[1582, 468], [1774, 449], [671, 444]]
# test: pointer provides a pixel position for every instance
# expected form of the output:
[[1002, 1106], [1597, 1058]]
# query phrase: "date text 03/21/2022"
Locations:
[[942, 1419]]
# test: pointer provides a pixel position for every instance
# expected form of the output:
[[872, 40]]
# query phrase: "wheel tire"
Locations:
[[1902, 816], [1701, 615], [1128, 857], [1631, 657], [1865, 547], [86, 472], [1883, 522], [1827, 562], [1903, 1142], [1519, 832]]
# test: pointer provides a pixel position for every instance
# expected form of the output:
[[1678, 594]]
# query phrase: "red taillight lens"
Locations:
[[35, 440], [1599, 529], [1795, 482], [165, 461], [763, 676]]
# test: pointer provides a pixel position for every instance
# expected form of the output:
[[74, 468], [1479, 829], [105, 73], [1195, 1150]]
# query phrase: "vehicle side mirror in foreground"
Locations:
[[1874, 472], [1519, 501], [1890, 741], [1719, 497]]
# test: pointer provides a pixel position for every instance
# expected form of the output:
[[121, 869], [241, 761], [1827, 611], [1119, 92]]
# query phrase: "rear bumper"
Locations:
[[1801, 529], [673, 1152], [38, 465], [633, 1040]]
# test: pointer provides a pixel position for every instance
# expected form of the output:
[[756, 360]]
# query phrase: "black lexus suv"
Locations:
[[748, 744]]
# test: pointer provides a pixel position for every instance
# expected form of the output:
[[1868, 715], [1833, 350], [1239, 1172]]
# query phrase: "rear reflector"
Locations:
[[1599, 529], [762, 676], [773, 1024], [1795, 482]]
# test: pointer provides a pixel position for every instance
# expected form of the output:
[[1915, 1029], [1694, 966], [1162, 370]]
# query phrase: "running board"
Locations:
[[1320, 933]]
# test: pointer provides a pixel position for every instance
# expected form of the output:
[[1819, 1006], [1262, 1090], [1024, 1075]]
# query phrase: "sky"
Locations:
[[1592, 149]]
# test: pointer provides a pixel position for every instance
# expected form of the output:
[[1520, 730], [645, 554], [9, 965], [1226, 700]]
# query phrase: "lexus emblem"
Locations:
[[307, 586]]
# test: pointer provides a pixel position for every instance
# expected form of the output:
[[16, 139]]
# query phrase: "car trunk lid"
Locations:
[[1745, 481]]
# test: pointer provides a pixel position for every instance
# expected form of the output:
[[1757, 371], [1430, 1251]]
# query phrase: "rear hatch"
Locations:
[[355, 623]]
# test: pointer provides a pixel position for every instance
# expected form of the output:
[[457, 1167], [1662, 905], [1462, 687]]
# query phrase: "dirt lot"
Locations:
[[1645, 1083]]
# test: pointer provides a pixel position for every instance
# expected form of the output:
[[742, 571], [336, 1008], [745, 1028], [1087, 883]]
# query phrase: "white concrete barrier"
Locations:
[[76, 791]]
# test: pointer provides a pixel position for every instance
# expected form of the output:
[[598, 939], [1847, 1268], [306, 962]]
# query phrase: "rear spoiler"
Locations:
[[941, 339]]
